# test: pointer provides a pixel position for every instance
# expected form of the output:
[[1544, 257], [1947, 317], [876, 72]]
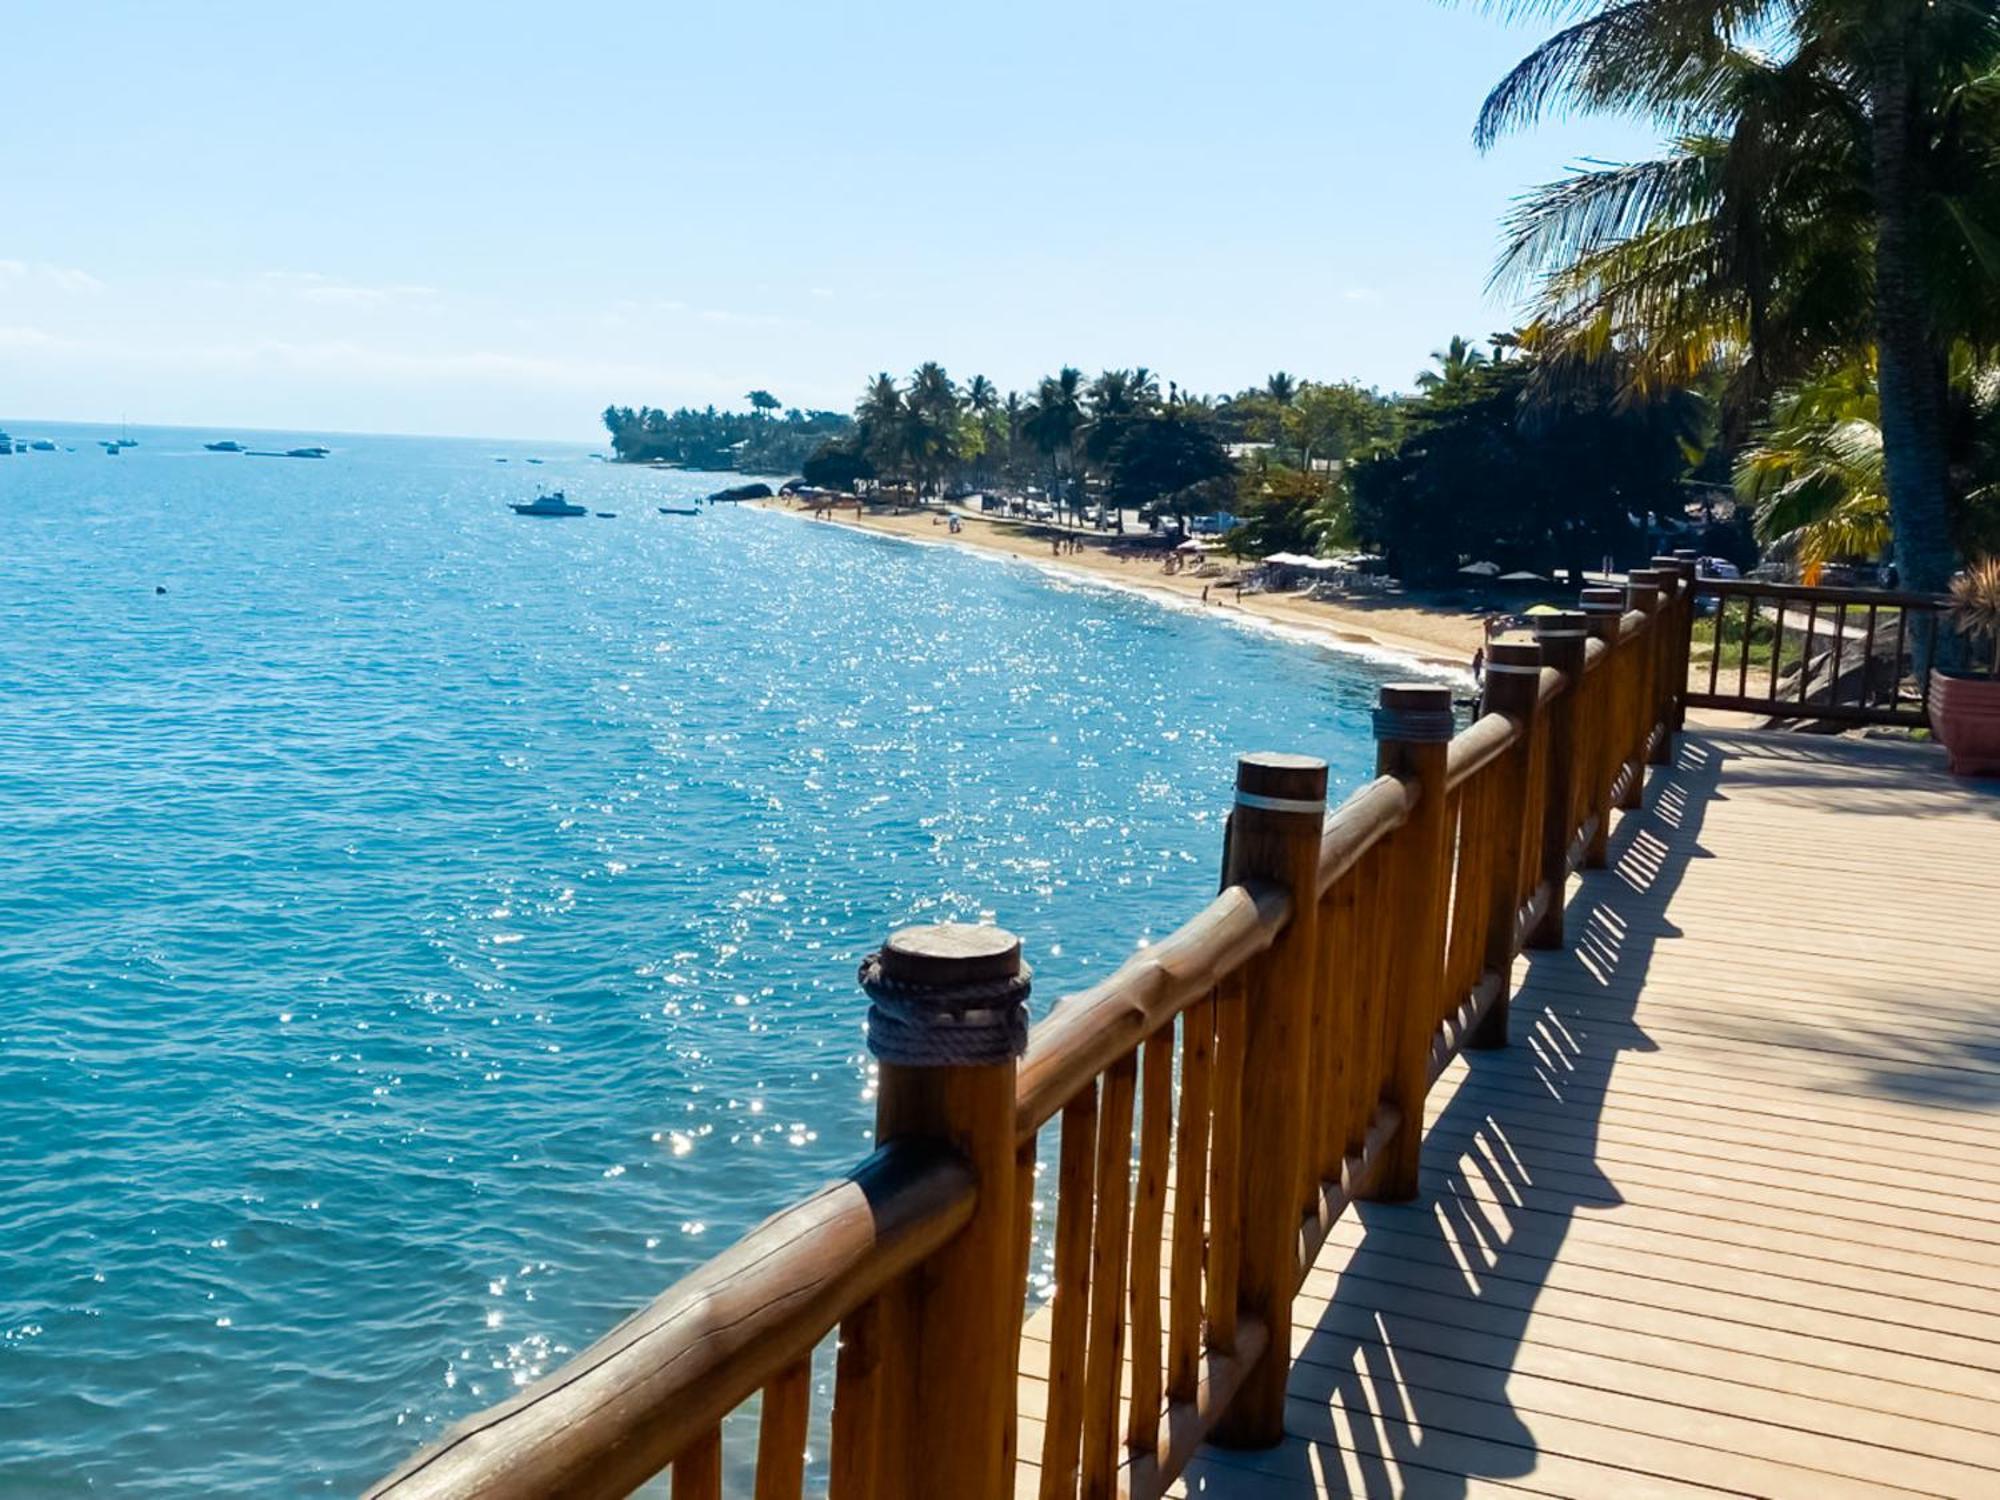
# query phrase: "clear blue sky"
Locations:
[[494, 218]]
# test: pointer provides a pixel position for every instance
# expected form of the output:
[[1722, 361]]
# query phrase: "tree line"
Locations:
[[756, 441]]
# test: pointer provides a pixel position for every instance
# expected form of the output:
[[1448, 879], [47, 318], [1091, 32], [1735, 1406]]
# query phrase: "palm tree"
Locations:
[[930, 424], [1818, 474], [1052, 418], [981, 395], [1282, 388], [1457, 363], [1847, 168], [1816, 477], [883, 422]]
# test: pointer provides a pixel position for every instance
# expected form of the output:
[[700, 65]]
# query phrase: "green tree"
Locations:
[[1829, 153], [1493, 468], [1051, 420], [1171, 463], [763, 403]]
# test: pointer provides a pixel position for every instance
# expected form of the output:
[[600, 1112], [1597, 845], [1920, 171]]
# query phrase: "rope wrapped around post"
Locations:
[[965, 1023]]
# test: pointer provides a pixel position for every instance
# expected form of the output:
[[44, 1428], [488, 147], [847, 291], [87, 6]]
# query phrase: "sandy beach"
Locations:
[[1436, 636]]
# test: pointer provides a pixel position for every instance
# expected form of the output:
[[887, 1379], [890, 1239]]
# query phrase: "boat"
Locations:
[[43, 445], [307, 452], [533, 460], [548, 505], [227, 445], [680, 510], [6, 444]]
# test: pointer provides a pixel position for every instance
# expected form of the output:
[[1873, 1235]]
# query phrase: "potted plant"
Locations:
[[1965, 706]]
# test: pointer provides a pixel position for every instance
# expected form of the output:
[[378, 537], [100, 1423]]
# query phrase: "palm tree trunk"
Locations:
[[1912, 370]]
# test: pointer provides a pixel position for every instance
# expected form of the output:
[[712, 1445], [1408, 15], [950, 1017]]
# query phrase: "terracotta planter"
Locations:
[[1965, 716]]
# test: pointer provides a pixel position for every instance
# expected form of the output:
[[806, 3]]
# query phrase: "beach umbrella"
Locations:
[[1542, 609], [1522, 578], [1481, 569]]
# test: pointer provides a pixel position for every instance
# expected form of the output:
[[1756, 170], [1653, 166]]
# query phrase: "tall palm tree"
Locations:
[[883, 422], [1848, 169], [930, 429], [1457, 363], [981, 395], [1051, 420]]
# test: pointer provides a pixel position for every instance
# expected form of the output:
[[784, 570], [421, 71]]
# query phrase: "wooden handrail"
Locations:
[[1271, 1057], [1745, 588], [1367, 817], [1473, 750], [639, 1397], [1088, 1031]]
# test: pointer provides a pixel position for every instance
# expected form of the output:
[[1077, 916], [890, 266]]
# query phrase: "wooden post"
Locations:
[[1643, 593], [947, 1020], [1677, 619], [1688, 561], [1274, 837], [1603, 608], [1513, 688], [1561, 637], [1413, 729]]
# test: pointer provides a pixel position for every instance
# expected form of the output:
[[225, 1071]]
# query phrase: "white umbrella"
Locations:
[[1522, 578], [1482, 569]]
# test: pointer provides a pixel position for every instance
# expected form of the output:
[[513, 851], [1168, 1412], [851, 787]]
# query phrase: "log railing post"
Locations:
[[1274, 837], [1561, 637], [947, 1020], [1676, 622], [1513, 688], [1603, 608], [1689, 562], [1643, 593], [1413, 728]]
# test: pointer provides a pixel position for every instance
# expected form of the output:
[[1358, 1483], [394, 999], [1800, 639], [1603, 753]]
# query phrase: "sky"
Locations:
[[493, 219]]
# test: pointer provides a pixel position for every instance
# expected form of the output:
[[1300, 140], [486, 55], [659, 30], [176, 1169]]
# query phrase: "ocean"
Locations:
[[425, 932]]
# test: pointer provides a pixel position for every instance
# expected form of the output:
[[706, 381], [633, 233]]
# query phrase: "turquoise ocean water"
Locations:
[[425, 932]]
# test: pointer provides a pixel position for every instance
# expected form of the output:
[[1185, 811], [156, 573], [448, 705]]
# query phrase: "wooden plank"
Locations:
[[1104, 1352], [1148, 1238], [781, 1434], [1075, 1210], [1190, 1184]]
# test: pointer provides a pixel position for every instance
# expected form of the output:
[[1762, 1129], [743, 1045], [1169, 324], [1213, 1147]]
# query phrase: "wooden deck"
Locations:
[[1726, 1216]]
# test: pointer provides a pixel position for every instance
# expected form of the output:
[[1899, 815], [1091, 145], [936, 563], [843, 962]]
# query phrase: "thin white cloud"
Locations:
[[62, 278], [311, 286]]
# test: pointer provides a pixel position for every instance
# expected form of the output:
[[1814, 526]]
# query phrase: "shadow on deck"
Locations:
[[1726, 1216]]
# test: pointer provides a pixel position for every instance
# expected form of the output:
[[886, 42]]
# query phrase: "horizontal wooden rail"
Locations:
[[1474, 749], [1214, 1106], [1092, 1029], [649, 1390]]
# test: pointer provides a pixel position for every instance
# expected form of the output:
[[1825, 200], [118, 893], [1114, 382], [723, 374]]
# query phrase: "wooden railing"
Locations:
[[1847, 656], [1215, 1105]]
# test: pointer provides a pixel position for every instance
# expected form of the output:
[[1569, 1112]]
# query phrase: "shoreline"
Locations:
[[1397, 630]]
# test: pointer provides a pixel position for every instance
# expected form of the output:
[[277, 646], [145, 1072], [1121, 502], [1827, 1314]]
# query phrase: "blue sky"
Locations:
[[492, 219]]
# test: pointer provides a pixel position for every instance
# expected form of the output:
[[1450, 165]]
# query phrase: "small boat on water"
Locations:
[[548, 505], [43, 445], [680, 510], [227, 445]]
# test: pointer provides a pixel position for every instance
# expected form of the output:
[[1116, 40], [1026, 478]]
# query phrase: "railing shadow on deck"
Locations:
[[1401, 1386]]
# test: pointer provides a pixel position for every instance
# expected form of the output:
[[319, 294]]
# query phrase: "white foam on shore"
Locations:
[[1324, 638]]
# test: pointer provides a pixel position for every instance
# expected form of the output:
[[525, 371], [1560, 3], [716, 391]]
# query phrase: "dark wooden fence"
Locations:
[[1846, 656], [1218, 1102]]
